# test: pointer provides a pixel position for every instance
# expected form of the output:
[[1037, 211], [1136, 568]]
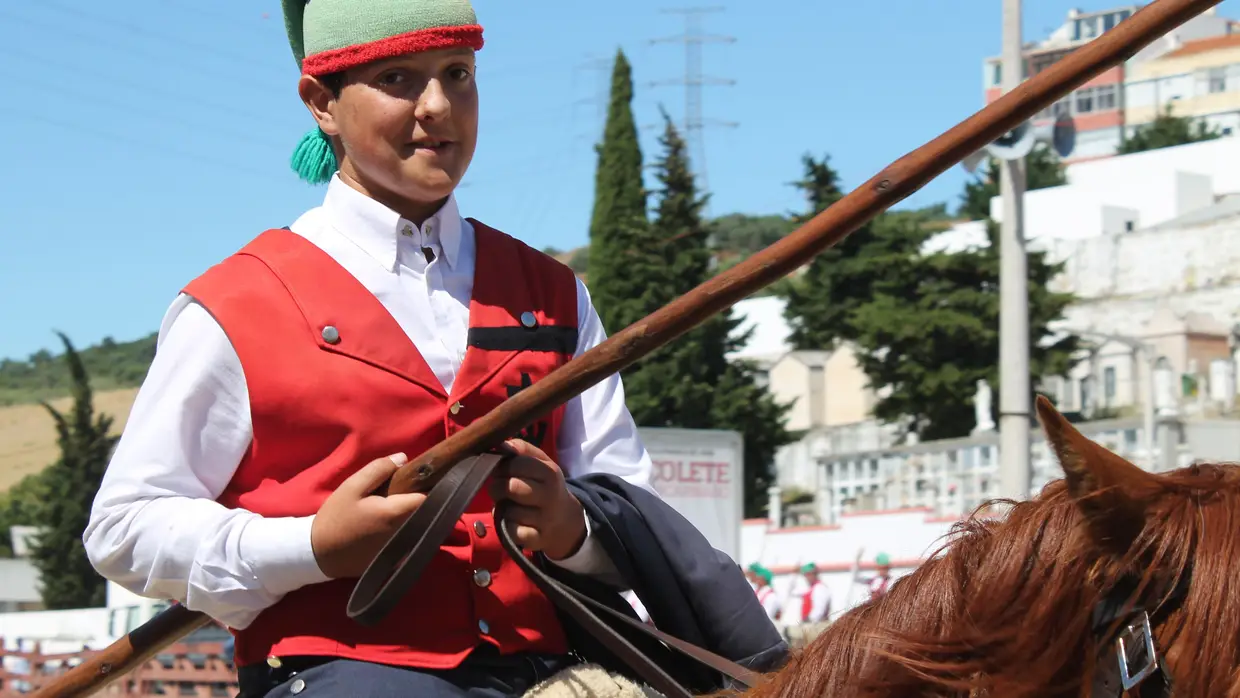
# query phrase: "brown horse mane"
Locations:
[[1004, 606]]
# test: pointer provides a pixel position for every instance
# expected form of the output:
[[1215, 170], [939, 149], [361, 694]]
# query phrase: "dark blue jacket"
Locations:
[[691, 590]]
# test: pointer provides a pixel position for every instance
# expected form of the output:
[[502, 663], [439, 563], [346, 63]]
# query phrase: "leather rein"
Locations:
[[409, 551]]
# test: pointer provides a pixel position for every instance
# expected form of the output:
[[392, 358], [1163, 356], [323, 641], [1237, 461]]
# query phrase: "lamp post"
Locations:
[[1015, 474]]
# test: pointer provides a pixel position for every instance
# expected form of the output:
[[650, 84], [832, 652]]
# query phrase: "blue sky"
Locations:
[[150, 138]]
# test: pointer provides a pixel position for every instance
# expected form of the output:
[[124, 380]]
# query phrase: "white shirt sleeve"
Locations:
[[598, 435], [155, 527], [771, 604], [819, 603]]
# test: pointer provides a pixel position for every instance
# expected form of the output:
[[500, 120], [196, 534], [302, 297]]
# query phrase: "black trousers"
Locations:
[[483, 674]]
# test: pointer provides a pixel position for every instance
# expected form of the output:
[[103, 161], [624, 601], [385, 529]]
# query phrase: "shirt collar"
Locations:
[[380, 231]]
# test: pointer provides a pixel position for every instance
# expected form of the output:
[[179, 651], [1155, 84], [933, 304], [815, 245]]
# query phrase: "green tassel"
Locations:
[[314, 160]]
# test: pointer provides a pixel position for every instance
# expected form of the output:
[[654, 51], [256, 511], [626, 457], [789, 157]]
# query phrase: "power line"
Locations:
[[693, 81], [602, 67]]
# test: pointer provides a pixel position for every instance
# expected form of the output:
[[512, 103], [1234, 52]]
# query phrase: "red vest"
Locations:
[[334, 383]]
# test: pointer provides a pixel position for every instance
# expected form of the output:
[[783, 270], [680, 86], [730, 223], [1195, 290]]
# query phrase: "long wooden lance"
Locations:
[[893, 184]]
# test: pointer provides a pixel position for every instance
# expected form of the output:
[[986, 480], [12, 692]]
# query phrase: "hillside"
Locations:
[[28, 437], [43, 376]]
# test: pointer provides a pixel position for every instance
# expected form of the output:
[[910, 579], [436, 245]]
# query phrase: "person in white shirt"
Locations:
[[298, 375], [879, 583], [816, 603], [760, 578], [809, 606]]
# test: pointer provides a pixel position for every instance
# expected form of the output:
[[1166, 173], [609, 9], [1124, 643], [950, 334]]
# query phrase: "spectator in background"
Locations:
[[760, 578], [878, 583], [816, 601]]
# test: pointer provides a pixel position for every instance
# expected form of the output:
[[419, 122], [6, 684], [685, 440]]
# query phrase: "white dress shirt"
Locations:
[[155, 527]]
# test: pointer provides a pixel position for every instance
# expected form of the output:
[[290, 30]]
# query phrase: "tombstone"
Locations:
[[1223, 383], [1165, 400], [983, 420]]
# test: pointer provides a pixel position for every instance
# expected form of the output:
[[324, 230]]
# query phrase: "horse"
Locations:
[[1112, 581]]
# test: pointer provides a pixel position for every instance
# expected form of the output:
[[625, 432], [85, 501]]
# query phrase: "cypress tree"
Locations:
[[620, 254], [67, 579]]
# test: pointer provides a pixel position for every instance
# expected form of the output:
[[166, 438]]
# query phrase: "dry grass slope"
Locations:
[[28, 435]]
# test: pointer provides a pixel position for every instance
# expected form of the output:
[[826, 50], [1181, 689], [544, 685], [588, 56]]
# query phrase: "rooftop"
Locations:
[[1213, 43]]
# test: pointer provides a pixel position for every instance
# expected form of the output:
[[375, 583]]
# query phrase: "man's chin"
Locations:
[[433, 184]]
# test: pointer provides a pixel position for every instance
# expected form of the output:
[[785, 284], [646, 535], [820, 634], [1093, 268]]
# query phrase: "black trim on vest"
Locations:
[[562, 340]]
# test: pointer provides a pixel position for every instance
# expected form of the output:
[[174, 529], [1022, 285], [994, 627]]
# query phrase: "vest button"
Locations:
[[480, 529], [484, 627], [297, 687], [274, 662], [331, 335], [528, 319], [482, 578], [455, 408]]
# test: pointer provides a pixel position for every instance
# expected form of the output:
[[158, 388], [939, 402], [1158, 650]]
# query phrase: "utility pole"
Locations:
[[693, 80], [1015, 474]]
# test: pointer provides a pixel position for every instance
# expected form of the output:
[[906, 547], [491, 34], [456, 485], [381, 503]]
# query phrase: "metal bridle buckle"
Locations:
[[1142, 638]]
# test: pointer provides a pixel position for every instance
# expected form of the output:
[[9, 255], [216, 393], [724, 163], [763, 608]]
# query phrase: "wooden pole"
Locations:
[[893, 184]]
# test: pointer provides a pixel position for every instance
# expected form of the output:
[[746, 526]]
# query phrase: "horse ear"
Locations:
[[1110, 492]]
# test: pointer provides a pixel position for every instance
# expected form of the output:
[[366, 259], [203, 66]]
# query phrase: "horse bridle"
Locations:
[[1131, 660]]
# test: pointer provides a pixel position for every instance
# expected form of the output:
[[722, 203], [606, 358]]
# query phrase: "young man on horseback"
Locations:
[[296, 376]]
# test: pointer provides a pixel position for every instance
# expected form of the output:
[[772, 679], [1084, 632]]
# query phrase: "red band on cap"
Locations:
[[340, 59]]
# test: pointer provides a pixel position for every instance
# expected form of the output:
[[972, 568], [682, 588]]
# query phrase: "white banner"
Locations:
[[699, 472]]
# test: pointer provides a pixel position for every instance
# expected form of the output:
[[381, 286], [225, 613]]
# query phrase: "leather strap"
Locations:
[[579, 606], [406, 555]]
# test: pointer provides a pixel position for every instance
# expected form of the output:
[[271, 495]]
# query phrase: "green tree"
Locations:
[[21, 505], [67, 578], [691, 383], [836, 282], [1167, 130], [931, 329], [621, 252]]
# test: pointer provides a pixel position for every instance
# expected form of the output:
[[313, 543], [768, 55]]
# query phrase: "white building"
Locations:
[[1151, 246]]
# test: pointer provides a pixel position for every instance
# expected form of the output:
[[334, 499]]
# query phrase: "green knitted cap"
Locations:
[[328, 36], [762, 572], [882, 560]]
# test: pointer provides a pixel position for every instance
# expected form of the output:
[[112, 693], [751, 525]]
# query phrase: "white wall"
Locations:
[[1104, 196], [765, 315], [1156, 264], [1143, 193], [907, 536]]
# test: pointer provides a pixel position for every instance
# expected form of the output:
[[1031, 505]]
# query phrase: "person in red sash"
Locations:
[[296, 376], [761, 579], [816, 599]]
